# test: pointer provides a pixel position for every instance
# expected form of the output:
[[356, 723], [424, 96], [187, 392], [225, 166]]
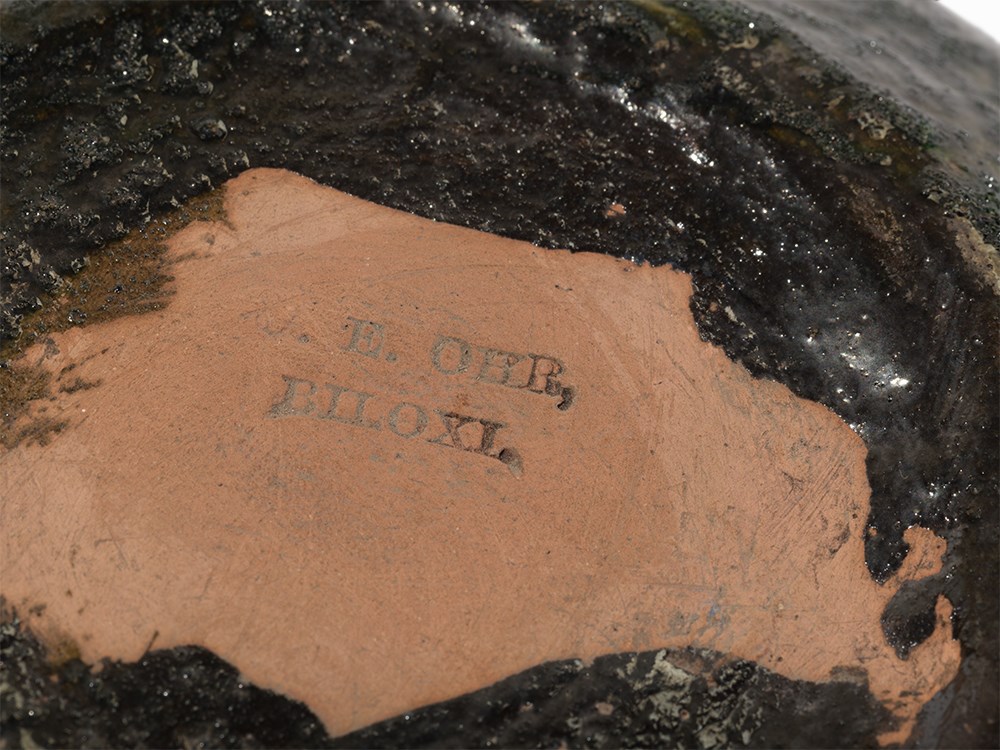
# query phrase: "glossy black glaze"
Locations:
[[188, 697], [184, 697], [824, 256]]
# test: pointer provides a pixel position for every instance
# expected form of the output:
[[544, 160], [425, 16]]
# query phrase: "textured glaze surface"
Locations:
[[832, 253]]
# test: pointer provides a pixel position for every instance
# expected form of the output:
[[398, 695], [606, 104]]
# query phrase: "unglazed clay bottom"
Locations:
[[376, 462]]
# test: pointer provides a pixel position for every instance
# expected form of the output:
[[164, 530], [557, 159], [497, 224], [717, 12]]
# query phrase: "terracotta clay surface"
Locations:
[[376, 462]]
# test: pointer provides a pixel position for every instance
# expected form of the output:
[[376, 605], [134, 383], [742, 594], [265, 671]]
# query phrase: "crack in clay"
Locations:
[[365, 572]]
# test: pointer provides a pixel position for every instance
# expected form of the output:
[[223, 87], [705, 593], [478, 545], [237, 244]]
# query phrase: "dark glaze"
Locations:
[[823, 255]]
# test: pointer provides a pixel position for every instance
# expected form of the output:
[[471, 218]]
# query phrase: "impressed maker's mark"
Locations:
[[449, 357], [677, 502]]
